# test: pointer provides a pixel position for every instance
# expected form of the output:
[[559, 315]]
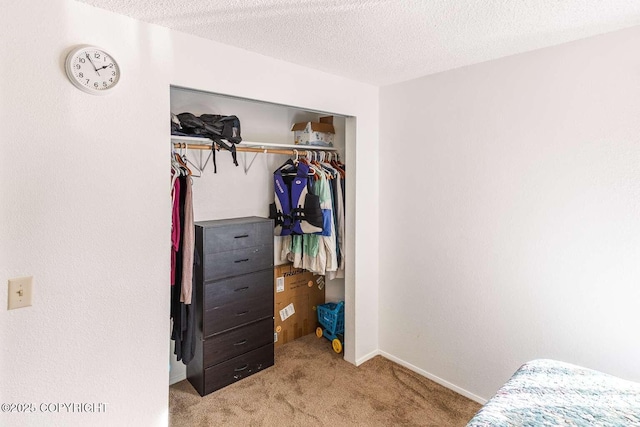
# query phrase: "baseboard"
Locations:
[[434, 378], [367, 357], [177, 378]]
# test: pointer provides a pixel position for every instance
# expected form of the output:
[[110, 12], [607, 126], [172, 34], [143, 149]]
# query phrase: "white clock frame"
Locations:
[[72, 60]]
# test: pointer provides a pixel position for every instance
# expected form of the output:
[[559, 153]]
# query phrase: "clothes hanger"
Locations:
[[317, 161], [313, 171], [330, 170], [304, 157], [186, 170], [339, 165], [290, 164], [186, 158], [174, 164], [288, 168], [175, 171]]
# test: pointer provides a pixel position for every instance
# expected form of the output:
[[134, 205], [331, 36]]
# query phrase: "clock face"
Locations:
[[92, 70]]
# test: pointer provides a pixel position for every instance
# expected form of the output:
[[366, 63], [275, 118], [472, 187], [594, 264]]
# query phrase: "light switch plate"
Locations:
[[20, 292]]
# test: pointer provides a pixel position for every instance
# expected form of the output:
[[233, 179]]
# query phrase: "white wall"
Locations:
[[510, 214], [85, 207]]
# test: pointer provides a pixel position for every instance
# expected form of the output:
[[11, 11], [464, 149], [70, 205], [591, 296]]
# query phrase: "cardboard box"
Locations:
[[297, 294], [314, 133]]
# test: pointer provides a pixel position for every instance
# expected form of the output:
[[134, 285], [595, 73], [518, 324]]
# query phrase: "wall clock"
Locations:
[[92, 70]]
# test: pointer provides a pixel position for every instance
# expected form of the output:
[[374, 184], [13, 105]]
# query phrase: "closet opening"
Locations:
[[240, 196]]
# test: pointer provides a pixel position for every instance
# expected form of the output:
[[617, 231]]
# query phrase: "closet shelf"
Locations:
[[202, 144], [192, 141]]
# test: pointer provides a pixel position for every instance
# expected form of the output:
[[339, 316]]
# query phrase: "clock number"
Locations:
[[111, 79], [111, 65], [113, 73], [81, 60], [87, 81], [78, 66], [81, 75], [104, 84], [95, 84], [97, 55]]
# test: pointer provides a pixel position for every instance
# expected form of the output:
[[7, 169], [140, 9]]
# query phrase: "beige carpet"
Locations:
[[311, 385]]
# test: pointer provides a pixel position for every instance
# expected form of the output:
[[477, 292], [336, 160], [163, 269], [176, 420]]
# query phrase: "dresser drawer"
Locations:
[[240, 261], [238, 311], [237, 236], [228, 345], [220, 319], [240, 367], [246, 287]]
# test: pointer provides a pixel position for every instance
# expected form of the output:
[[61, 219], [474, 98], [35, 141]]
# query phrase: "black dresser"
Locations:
[[234, 288]]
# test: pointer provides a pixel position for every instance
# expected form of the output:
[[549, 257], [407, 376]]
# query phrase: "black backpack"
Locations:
[[222, 130]]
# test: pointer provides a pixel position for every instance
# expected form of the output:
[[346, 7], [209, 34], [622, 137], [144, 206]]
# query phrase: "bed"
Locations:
[[551, 393]]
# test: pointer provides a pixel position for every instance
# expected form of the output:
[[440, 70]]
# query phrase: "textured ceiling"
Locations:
[[385, 41]]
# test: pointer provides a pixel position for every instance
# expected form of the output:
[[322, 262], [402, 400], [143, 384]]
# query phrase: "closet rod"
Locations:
[[240, 149]]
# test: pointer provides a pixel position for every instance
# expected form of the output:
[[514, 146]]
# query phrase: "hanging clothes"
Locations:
[[339, 273], [339, 212], [189, 242], [183, 261], [320, 252], [175, 226]]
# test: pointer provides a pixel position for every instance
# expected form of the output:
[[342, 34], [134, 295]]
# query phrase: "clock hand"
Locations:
[[92, 64]]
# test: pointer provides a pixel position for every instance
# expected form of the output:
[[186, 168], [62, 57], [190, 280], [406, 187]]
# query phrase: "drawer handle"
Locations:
[[241, 237], [241, 289], [242, 368], [241, 260], [242, 313], [243, 342]]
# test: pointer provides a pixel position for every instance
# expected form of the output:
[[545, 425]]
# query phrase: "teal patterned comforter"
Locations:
[[552, 393]]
